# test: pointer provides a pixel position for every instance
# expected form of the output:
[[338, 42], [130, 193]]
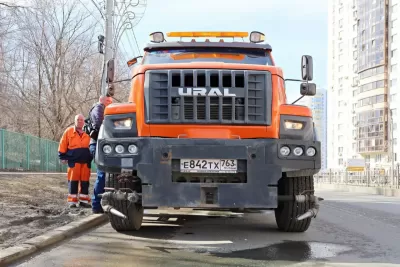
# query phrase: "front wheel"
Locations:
[[287, 211], [133, 211]]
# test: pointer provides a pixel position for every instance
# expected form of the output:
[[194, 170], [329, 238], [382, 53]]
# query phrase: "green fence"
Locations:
[[29, 153]]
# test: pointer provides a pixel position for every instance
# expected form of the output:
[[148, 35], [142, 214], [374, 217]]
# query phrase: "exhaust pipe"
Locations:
[[313, 211], [301, 199], [118, 195], [117, 213]]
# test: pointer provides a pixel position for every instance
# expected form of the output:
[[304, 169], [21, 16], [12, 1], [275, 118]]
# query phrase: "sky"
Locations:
[[292, 27]]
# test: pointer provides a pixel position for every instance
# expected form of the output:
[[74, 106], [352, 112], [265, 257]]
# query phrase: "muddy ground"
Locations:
[[32, 204]]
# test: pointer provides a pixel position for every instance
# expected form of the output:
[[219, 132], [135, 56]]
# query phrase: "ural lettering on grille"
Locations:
[[208, 96]]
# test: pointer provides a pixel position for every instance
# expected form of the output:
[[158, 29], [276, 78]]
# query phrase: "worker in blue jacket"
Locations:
[[97, 117]]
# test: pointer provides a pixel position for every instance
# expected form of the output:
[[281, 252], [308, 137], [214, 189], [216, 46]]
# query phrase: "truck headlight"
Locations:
[[311, 152], [119, 149], [107, 149], [123, 124], [298, 151], [293, 125], [133, 149], [285, 151]]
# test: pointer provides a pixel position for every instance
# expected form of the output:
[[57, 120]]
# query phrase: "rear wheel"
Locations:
[[133, 211], [287, 211]]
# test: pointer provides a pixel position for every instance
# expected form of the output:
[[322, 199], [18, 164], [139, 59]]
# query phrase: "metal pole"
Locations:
[[3, 149], [109, 37], [391, 147]]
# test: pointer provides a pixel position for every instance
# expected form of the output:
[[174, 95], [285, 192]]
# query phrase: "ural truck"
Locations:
[[207, 126]]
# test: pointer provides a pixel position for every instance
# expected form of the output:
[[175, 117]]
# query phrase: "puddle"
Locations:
[[290, 251]]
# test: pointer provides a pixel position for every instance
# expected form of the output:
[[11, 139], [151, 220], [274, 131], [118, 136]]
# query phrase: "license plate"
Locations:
[[209, 165]]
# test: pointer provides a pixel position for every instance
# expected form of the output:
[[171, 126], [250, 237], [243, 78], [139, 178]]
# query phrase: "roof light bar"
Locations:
[[207, 55], [208, 34]]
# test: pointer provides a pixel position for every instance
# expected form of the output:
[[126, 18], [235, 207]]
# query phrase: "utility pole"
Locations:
[[391, 147], [109, 37]]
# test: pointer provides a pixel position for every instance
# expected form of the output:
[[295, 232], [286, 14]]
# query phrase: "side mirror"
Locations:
[[308, 89], [110, 71], [133, 61], [307, 68]]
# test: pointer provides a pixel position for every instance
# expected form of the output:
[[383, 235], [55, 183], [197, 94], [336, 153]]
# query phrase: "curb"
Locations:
[[33, 245], [388, 192]]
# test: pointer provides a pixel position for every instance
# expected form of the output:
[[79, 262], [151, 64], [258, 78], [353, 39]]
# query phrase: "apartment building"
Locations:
[[362, 69]]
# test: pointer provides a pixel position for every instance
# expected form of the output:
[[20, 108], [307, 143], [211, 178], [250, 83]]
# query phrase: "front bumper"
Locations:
[[259, 161]]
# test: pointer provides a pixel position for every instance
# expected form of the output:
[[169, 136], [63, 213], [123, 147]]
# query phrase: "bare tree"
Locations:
[[52, 67]]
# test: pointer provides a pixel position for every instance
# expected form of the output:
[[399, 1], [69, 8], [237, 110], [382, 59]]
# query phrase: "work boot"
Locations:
[[72, 206], [85, 205]]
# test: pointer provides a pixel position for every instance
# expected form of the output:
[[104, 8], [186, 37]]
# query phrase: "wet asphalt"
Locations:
[[350, 230]]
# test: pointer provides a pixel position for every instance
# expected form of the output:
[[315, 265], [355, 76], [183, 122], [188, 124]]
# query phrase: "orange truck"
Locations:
[[207, 126]]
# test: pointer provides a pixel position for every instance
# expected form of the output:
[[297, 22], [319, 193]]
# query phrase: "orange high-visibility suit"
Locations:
[[74, 148]]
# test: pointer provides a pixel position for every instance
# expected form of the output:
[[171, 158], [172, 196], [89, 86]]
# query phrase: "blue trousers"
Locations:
[[98, 185]]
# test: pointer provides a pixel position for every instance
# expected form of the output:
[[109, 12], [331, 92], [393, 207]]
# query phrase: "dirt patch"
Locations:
[[32, 204]]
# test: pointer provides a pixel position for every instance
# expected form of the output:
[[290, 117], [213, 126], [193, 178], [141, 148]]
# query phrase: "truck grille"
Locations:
[[208, 96]]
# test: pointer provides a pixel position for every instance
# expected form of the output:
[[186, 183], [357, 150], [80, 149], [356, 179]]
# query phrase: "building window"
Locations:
[[393, 83], [340, 92], [340, 68], [392, 97], [394, 9], [394, 53], [393, 68], [340, 149], [340, 138], [372, 100], [340, 127], [371, 86], [340, 10], [340, 161], [394, 38], [378, 158]]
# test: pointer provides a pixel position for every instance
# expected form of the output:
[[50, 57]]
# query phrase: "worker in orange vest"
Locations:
[[74, 151]]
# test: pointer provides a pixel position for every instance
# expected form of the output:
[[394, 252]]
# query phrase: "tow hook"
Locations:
[[301, 199], [117, 195]]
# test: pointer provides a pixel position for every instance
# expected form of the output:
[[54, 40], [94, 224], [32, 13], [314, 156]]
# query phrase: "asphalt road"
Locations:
[[350, 230]]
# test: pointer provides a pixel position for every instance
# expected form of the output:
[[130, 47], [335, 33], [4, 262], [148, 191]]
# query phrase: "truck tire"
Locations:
[[287, 211], [133, 211]]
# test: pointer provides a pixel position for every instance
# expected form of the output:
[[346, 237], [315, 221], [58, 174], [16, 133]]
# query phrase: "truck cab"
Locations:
[[207, 125]]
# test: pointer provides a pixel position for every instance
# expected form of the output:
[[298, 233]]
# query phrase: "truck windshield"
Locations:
[[215, 54]]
